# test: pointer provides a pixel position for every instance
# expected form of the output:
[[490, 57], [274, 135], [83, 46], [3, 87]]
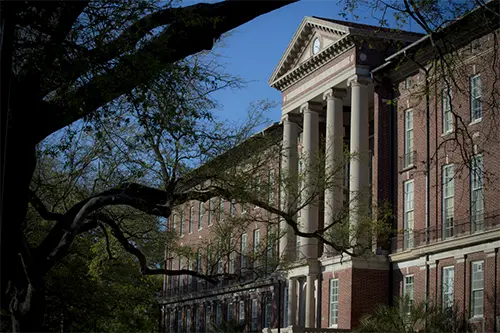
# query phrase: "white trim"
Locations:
[[339, 78], [409, 261]]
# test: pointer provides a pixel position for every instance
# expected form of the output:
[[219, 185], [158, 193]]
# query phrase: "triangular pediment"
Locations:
[[300, 48], [334, 36]]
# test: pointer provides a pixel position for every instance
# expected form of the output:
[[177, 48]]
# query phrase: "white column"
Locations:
[[289, 170], [310, 321], [292, 302], [334, 158], [359, 164], [310, 138]]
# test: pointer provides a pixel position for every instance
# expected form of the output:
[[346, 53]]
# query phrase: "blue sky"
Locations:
[[253, 50]]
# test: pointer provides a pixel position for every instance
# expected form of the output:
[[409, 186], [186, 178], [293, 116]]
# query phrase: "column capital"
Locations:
[[334, 93], [311, 107], [358, 80]]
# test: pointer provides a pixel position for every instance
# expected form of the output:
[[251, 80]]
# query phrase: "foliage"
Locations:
[[422, 317]]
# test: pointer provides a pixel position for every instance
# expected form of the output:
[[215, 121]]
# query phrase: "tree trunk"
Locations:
[[22, 286]]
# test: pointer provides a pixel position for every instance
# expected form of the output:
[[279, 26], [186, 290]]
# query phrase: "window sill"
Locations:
[[445, 134], [474, 122], [334, 326], [478, 318], [408, 168], [200, 229]]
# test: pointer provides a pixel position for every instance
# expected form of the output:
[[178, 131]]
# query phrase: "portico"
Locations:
[[327, 104]]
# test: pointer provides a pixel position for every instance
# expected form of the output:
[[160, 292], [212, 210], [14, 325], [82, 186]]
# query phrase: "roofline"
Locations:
[[389, 60]]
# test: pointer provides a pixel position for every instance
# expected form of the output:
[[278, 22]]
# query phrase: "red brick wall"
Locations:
[[370, 290], [345, 298]]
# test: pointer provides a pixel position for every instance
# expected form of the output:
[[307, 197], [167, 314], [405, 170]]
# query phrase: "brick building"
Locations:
[[431, 137]]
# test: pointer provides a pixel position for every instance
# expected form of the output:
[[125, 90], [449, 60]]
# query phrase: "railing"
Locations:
[[408, 160], [409, 239], [294, 329]]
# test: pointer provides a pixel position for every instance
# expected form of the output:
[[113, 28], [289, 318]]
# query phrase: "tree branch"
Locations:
[[41, 209], [195, 29], [145, 270]]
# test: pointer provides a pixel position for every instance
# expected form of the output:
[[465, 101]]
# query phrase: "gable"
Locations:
[[300, 48], [335, 36]]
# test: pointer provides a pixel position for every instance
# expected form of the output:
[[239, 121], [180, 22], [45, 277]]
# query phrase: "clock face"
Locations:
[[316, 45]]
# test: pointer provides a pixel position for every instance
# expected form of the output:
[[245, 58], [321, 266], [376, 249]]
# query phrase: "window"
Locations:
[[243, 250], [256, 240], [182, 222], [268, 311], [191, 219], [210, 210], [447, 287], [230, 311], [448, 200], [208, 319], [198, 320], [179, 321], [209, 258], [477, 193], [181, 266], [271, 186], [232, 208], [447, 114], [334, 302], [174, 222], [408, 83], [218, 314], [201, 209], [221, 209], [408, 148], [232, 258], [243, 209], [198, 260], [188, 320], [254, 315], [476, 107], [477, 289], [242, 312], [408, 214], [408, 292]]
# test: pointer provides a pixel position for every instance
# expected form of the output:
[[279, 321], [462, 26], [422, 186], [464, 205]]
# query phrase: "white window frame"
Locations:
[[201, 212], [477, 289], [446, 114], [256, 240], [183, 222], [448, 204], [232, 208], [191, 219], [409, 290], [221, 208], [409, 144], [210, 211], [448, 286], [477, 193], [408, 212], [241, 312], [271, 186], [244, 241], [333, 310], [476, 111]]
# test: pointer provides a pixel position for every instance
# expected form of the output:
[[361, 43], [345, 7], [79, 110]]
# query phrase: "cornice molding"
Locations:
[[331, 52]]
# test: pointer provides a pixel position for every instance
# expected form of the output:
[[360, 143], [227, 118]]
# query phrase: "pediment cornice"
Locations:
[[334, 50], [308, 27]]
